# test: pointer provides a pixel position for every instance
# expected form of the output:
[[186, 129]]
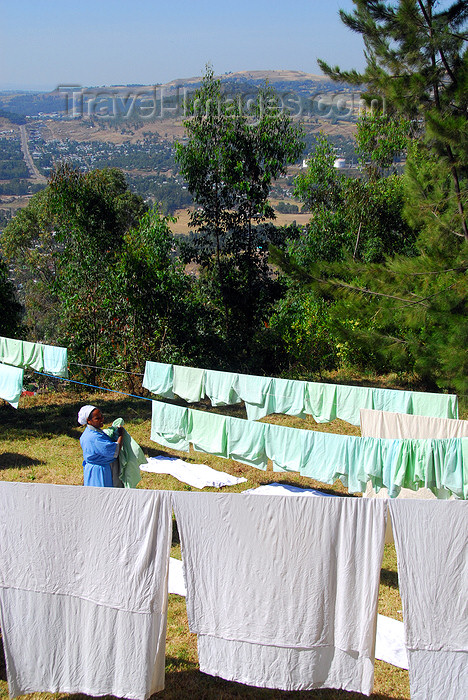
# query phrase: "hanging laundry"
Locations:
[[83, 589], [220, 388], [36, 356], [196, 475], [300, 574], [158, 379], [254, 392], [55, 360], [431, 544], [440, 465], [247, 442], [11, 384], [288, 448], [11, 351], [189, 383], [169, 425], [33, 356], [385, 424], [266, 395], [208, 433]]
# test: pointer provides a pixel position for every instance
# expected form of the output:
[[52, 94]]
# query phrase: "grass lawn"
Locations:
[[39, 443]]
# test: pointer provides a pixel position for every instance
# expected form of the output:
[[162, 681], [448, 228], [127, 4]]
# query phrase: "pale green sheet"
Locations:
[[189, 383], [158, 379], [170, 425], [208, 432], [130, 456], [247, 442]]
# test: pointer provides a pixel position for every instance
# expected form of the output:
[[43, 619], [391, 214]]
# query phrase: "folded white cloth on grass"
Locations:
[[83, 589], [432, 546], [390, 642], [276, 489], [302, 565], [176, 577], [197, 475]]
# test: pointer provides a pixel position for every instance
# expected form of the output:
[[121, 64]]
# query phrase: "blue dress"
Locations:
[[98, 454]]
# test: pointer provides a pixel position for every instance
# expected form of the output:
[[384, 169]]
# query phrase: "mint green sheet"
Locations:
[[11, 384], [11, 351], [437, 405], [220, 387], [440, 464], [266, 395], [208, 432], [131, 456], [170, 425], [320, 401], [55, 360], [288, 448], [33, 356], [50, 359], [189, 383], [288, 397], [247, 442], [254, 392], [158, 379]]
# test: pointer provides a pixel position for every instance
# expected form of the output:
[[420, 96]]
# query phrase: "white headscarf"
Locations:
[[84, 413]]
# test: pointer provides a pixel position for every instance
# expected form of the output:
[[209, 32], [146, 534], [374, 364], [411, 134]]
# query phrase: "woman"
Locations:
[[99, 451]]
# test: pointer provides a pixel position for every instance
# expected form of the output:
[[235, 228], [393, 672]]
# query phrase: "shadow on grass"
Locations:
[[3, 675], [60, 418], [389, 578], [192, 683], [10, 460]]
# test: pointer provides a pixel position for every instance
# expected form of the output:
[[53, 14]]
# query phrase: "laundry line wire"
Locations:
[[106, 369], [93, 386]]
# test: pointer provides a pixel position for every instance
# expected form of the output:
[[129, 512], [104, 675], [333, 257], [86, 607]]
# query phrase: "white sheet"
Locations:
[[385, 424], [176, 578], [197, 475], [83, 588], [275, 489], [298, 566], [432, 549]]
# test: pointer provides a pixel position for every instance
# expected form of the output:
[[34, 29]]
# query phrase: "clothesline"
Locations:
[[107, 369], [266, 395], [93, 386]]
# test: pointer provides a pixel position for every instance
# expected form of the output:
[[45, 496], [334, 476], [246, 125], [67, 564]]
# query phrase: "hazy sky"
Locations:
[[44, 43]]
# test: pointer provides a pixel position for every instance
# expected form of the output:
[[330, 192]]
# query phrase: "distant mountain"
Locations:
[[35, 104]]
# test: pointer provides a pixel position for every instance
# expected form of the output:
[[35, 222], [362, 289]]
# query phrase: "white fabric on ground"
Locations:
[[83, 589], [384, 424], [302, 564], [197, 475], [390, 642], [276, 489], [432, 547], [176, 577]]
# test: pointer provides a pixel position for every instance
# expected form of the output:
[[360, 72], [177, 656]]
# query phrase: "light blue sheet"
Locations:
[[11, 384]]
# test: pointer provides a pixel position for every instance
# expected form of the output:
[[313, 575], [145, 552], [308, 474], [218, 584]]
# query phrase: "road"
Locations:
[[27, 156]]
